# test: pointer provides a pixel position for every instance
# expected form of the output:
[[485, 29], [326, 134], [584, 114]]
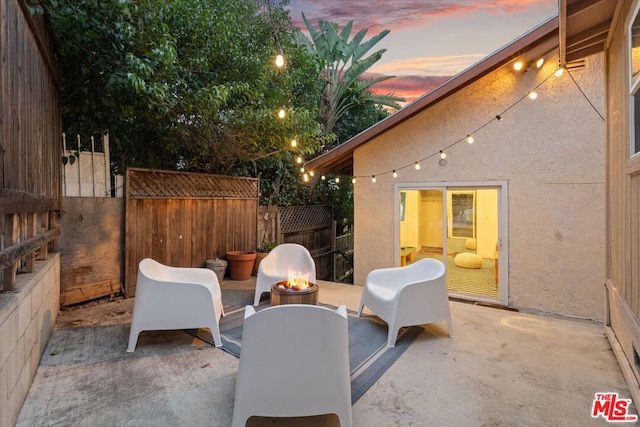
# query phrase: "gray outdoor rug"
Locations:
[[369, 356]]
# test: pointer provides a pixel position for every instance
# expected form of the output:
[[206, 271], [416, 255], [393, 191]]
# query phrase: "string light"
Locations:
[[279, 60], [337, 179], [532, 94], [539, 62], [282, 113], [518, 65], [299, 160], [323, 177], [306, 178], [311, 173], [294, 142], [302, 169]]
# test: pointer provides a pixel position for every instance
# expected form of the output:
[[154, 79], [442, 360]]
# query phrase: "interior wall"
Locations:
[[431, 223], [409, 228], [486, 222]]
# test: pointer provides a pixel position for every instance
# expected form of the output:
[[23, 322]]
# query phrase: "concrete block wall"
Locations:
[[27, 317]]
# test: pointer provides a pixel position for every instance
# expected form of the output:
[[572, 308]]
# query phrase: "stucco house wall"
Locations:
[[549, 150]]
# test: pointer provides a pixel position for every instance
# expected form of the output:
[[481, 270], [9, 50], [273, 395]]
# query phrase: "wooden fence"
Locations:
[[91, 247], [29, 153], [311, 227], [183, 219]]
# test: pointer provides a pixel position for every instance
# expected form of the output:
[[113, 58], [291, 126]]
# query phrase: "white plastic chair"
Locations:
[[276, 265], [408, 296], [175, 298], [294, 362]]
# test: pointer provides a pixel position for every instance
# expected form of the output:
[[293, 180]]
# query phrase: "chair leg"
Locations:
[[256, 299], [393, 335], [360, 307], [215, 333], [133, 340], [450, 325]]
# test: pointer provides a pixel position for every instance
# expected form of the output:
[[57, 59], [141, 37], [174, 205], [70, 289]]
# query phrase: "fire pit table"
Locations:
[[281, 294]]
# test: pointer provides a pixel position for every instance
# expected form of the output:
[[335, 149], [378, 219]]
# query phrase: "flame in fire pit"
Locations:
[[297, 281]]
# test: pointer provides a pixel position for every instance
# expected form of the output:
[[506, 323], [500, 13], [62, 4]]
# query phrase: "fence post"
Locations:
[[11, 227]]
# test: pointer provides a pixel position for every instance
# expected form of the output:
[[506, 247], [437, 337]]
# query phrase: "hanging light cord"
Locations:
[[585, 96]]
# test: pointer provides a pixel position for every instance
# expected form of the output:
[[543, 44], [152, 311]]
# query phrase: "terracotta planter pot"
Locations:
[[256, 264], [240, 264]]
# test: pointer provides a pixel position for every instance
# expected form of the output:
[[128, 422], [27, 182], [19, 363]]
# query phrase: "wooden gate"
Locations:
[[183, 219]]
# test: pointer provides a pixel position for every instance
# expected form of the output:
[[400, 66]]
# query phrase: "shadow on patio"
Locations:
[[502, 368]]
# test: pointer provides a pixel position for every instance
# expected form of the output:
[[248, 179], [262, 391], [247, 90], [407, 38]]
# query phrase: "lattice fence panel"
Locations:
[[298, 218], [144, 183]]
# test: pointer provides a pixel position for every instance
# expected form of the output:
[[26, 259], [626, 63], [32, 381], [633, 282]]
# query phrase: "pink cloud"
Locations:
[[397, 15]]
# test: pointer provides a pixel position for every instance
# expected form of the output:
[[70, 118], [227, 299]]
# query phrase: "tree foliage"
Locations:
[[185, 84], [343, 63]]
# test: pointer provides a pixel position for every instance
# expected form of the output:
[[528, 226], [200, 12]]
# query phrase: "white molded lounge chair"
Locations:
[[276, 265], [407, 296], [175, 298], [294, 362]]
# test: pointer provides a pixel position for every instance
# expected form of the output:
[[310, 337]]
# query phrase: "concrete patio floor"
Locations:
[[501, 368]]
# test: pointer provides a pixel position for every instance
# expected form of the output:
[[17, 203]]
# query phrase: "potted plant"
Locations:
[[262, 252], [240, 264]]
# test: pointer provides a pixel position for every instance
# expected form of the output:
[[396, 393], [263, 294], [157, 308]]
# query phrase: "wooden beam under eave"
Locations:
[[583, 53], [562, 29], [592, 36]]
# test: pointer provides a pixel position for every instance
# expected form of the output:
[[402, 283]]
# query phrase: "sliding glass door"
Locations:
[[460, 225]]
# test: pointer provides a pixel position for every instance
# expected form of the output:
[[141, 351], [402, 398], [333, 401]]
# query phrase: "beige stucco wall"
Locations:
[[549, 150]]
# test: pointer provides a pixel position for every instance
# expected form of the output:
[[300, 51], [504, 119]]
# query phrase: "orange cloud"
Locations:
[[408, 87], [430, 65]]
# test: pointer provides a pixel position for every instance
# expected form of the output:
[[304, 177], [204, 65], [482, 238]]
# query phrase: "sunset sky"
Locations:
[[429, 41]]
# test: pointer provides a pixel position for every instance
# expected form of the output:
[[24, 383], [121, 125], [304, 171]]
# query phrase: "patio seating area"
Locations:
[[502, 368]]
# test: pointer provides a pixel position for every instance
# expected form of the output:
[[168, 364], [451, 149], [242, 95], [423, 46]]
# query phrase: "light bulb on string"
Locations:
[[470, 139], [294, 142], [322, 177], [395, 174], [302, 169], [279, 60], [299, 160], [443, 155], [559, 72], [306, 178], [337, 180], [311, 173], [539, 62], [417, 166], [373, 178], [353, 180], [533, 94], [518, 65], [282, 113]]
